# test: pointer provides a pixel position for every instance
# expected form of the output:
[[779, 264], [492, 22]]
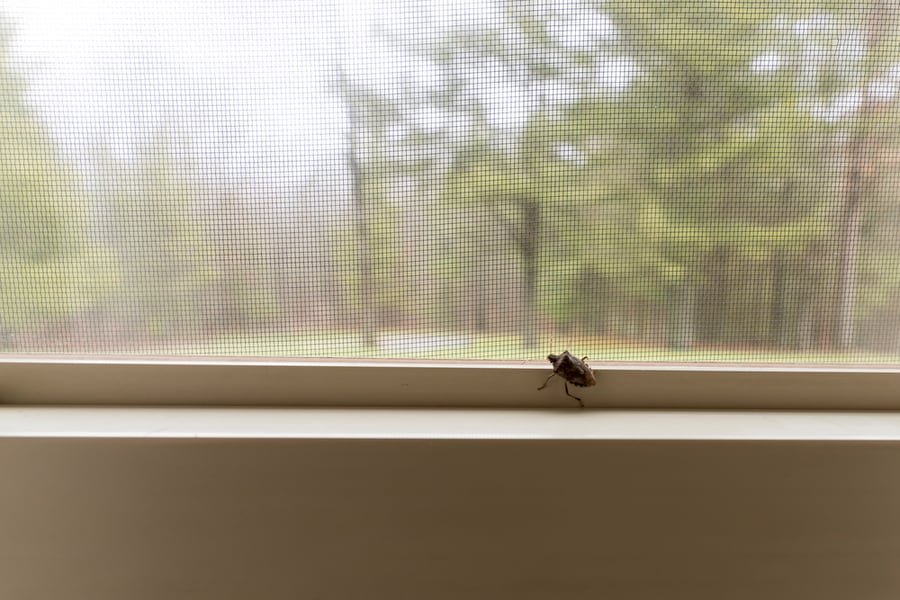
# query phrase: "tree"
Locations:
[[648, 170], [50, 269], [877, 24], [743, 167], [154, 224]]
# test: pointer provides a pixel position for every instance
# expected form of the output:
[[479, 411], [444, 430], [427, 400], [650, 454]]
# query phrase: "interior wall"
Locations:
[[159, 519]]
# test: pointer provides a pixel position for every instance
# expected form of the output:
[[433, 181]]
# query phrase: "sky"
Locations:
[[250, 80]]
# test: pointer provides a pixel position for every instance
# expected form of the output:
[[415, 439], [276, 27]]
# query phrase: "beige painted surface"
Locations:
[[160, 519], [448, 384]]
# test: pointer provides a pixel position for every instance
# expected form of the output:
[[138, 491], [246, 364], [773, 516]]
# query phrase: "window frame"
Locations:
[[250, 382]]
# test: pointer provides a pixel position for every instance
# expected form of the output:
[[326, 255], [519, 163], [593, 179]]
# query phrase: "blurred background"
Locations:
[[705, 180]]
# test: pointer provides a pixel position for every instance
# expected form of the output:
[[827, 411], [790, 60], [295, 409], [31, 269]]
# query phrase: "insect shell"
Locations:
[[572, 370]]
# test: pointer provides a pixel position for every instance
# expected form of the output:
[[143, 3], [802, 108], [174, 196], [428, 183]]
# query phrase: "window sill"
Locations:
[[447, 424], [59, 381]]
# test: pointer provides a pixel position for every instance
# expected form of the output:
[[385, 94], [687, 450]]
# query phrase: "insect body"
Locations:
[[572, 370]]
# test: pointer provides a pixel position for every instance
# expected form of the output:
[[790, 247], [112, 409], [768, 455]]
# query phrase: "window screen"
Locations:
[[705, 180]]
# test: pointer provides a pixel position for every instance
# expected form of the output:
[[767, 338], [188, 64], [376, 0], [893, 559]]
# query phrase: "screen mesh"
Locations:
[[627, 179]]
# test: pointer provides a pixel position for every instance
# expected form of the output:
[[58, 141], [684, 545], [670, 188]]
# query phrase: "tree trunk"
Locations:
[[529, 243], [715, 309], [778, 304], [683, 326], [366, 324], [856, 186], [848, 248]]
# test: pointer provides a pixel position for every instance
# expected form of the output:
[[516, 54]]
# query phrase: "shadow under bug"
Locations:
[[572, 370]]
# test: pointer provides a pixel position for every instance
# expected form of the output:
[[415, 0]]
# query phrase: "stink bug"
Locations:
[[572, 370]]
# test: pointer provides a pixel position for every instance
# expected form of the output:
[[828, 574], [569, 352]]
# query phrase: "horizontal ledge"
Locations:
[[441, 424], [471, 384], [251, 362]]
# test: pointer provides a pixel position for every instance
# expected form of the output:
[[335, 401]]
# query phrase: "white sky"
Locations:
[[250, 80], [113, 68]]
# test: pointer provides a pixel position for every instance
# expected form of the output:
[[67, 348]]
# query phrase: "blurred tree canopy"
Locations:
[[701, 174], [681, 171], [49, 270]]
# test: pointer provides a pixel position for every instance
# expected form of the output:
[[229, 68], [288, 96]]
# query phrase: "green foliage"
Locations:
[[483, 175], [36, 292], [703, 157], [702, 198], [385, 253], [167, 259], [49, 268]]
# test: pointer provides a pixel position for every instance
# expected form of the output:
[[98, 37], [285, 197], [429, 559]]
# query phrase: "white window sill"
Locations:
[[355, 423]]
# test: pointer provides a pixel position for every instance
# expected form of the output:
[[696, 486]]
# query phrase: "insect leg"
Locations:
[[580, 403], [548, 381]]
